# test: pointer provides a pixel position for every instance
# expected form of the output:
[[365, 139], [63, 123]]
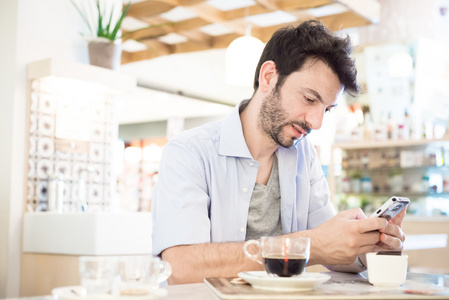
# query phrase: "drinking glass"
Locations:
[[140, 275], [98, 274]]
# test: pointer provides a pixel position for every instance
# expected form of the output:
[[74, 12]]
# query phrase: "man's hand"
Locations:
[[341, 239], [392, 237]]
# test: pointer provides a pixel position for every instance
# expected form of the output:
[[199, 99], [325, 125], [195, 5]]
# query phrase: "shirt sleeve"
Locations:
[[321, 209], [180, 199]]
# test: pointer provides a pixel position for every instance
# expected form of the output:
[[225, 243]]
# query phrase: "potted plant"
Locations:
[[103, 23]]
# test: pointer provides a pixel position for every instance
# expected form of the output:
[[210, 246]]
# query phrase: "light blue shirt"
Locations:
[[206, 178]]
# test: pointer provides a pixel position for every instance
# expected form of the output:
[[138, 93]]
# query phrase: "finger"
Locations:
[[360, 215], [370, 224], [379, 247], [369, 239], [369, 248], [390, 242], [399, 217], [393, 230]]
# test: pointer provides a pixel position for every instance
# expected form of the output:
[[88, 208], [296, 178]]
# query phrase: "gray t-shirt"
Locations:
[[264, 215]]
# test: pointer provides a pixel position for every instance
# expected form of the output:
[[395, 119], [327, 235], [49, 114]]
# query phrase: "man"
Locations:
[[256, 174]]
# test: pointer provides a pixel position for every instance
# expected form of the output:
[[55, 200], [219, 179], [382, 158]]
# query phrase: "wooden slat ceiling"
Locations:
[[150, 12]]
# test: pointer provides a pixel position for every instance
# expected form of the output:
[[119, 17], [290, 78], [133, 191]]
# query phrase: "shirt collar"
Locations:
[[232, 141]]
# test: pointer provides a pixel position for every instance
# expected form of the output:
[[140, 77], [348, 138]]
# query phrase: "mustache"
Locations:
[[304, 126]]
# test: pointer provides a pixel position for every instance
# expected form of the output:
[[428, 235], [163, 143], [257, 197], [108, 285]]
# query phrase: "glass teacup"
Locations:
[[141, 275], [98, 274], [281, 256]]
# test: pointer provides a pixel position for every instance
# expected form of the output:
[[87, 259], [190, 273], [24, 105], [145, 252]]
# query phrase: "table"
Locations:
[[343, 286], [340, 286]]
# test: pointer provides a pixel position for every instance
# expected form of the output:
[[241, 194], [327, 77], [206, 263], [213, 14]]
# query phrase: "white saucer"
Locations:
[[303, 282], [78, 293]]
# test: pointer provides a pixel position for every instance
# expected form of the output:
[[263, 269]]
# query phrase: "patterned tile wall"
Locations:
[[93, 162]]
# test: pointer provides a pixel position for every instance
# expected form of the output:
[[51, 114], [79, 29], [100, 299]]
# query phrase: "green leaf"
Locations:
[[100, 21], [110, 20], [103, 26], [119, 22], [83, 15]]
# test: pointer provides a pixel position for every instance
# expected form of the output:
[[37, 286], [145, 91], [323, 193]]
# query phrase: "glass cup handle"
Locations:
[[164, 271], [255, 257]]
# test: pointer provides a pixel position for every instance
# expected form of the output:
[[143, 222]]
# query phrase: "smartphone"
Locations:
[[391, 208]]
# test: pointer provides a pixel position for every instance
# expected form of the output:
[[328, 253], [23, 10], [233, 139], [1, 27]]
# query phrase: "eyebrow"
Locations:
[[315, 93], [318, 96]]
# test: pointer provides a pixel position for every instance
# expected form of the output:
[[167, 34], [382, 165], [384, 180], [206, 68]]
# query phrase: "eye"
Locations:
[[309, 100]]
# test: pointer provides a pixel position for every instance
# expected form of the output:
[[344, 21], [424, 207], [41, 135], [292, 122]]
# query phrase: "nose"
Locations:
[[315, 117]]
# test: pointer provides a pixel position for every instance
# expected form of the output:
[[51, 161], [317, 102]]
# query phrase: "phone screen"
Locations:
[[392, 211], [391, 208]]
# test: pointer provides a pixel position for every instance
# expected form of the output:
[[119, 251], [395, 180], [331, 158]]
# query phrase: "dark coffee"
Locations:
[[285, 267]]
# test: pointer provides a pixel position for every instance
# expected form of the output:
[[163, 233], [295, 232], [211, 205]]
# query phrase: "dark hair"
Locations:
[[290, 47]]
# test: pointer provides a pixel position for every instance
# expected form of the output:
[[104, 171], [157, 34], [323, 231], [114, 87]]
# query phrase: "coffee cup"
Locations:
[[281, 256], [386, 270], [141, 275], [98, 274]]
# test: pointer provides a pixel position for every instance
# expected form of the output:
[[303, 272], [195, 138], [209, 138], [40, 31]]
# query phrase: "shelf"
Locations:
[[387, 144], [418, 153], [382, 169], [404, 194], [78, 71], [415, 218]]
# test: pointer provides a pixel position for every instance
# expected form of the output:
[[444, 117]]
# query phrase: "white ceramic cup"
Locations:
[[98, 274], [386, 270], [141, 275]]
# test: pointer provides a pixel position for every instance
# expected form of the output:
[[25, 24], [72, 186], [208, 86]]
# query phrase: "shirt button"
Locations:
[[244, 190], [242, 229], [251, 164]]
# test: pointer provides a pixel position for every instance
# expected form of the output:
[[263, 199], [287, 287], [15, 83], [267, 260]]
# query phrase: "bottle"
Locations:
[[368, 128], [346, 185], [356, 184], [396, 180], [446, 157], [440, 161], [82, 204], [367, 186], [401, 132], [55, 196], [429, 130], [365, 160], [445, 183], [425, 184], [391, 128], [407, 127], [381, 130]]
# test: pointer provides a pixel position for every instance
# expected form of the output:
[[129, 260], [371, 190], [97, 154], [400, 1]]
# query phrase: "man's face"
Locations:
[[291, 112]]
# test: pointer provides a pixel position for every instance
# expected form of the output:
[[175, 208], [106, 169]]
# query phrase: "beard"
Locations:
[[273, 119]]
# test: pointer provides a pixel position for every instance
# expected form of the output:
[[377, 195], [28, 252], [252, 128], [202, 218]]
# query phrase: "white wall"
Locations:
[[8, 30], [29, 30]]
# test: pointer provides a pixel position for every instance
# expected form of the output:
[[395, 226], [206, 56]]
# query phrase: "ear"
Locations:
[[267, 76]]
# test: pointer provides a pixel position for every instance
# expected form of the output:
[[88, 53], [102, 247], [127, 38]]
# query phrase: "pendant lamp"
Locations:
[[242, 56]]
